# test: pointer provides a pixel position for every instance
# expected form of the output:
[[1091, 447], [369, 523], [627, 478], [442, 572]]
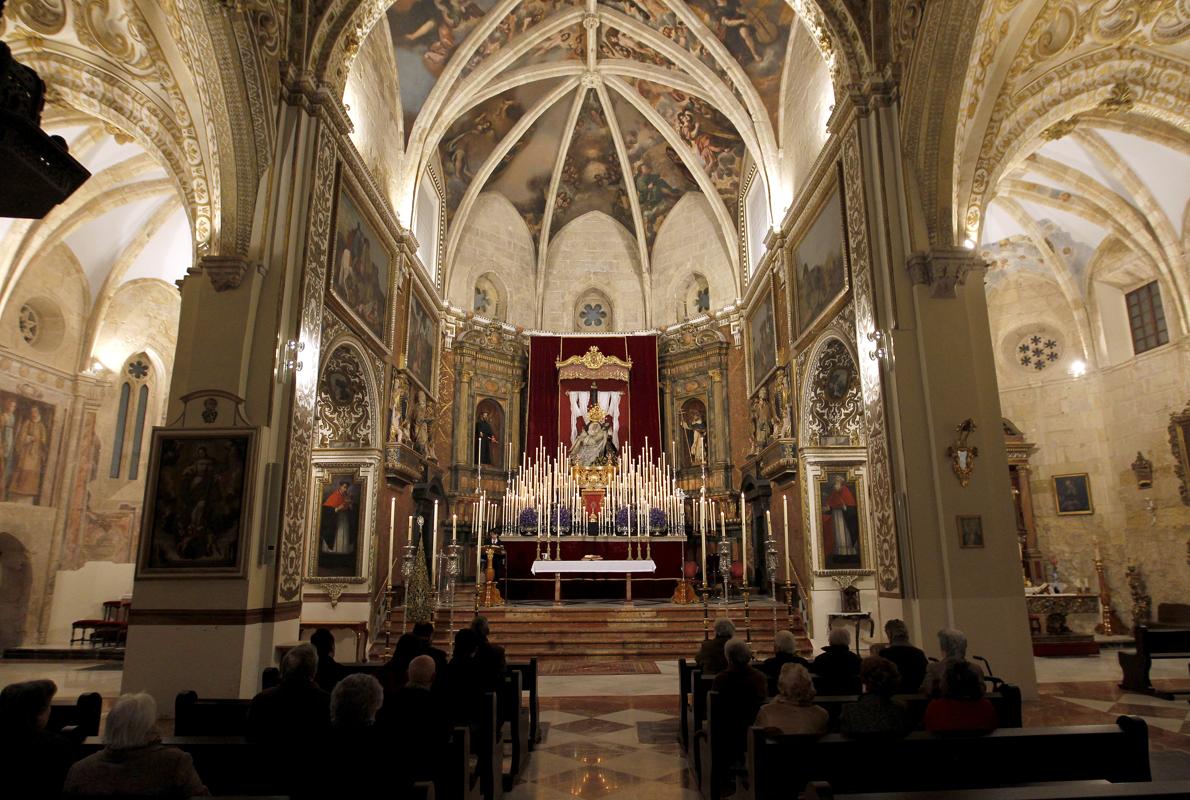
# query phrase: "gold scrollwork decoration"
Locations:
[[593, 365]]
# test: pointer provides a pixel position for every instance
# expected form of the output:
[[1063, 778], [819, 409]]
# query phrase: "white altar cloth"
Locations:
[[620, 566]]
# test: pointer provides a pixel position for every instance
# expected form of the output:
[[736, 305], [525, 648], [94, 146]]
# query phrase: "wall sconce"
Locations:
[[290, 361], [880, 352], [1142, 468]]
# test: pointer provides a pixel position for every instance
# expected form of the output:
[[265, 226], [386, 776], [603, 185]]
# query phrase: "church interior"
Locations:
[[598, 335]]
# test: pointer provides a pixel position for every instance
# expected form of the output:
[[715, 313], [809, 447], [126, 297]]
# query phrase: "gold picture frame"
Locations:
[[854, 481], [420, 361], [323, 567], [1072, 494], [823, 236], [359, 246]]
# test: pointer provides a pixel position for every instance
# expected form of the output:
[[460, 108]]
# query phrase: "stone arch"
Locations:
[[348, 414], [16, 580], [831, 408]]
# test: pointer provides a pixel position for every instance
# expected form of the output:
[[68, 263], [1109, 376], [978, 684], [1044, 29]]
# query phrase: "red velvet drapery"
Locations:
[[545, 404]]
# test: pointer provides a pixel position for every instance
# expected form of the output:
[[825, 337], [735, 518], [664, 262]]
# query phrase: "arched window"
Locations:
[[138, 431], [121, 426], [426, 213], [695, 298], [593, 312], [756, 220], [488, 299]]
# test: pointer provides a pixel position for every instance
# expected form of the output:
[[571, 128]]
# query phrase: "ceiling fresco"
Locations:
[[688, 86], [592, 177]]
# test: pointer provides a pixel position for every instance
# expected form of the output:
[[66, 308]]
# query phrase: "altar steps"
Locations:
[[664, 633]]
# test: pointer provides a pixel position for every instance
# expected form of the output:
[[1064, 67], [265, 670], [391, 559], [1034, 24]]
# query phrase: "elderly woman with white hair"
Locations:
[[785, 652], [953, 644], [710, 658], [793, 709], [134, 762]]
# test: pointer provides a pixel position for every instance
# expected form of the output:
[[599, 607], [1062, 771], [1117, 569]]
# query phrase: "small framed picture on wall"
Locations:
[[1072, 494], [970, 530]]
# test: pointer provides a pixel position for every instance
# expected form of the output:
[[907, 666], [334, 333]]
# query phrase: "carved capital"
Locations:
[[943, 268], [224, 272], [716, 375]]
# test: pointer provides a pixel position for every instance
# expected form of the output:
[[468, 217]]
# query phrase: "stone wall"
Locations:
[[593, 251], [807, 100], [374, 106], [496, 241], [689, 242]]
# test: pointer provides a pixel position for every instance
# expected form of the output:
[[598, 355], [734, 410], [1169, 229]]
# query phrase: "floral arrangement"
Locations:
[[657, 518], [528, 518]]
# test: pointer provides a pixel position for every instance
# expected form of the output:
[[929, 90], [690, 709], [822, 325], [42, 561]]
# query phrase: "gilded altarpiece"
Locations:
[[693, 371]]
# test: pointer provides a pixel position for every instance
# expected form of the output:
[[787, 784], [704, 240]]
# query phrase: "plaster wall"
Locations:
[[80, 594], [593, 251], [373, 98], [53, 285], [805, 107], [688, 243]]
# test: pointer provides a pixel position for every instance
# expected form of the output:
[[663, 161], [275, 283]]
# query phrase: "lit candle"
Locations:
[[434, 549], [785, 532], [392, 524], [743, 543], [454, 528]]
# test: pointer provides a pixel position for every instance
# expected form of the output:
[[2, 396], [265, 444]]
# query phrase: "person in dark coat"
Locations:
[[392, 674], [785, 645], [133, 761], [744, 688], [425, 632], [417, 724], [330, 672], [33, 760], [711, 658], [489, 657], [876, 714], [836, 669], [465, 683], [911, 661]]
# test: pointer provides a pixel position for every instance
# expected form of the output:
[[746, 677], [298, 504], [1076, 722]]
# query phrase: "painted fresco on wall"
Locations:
[[338, 549], [820, 265], [425, 35], [360, 270], [762, 339], [756, 33], [592, 178], [839, 512], [1072, 494], [569, 44], [525, 180], [524, 16], [196, 503], [26, 426], [421, 341], [658, 173], [615, 43], [709, 135]]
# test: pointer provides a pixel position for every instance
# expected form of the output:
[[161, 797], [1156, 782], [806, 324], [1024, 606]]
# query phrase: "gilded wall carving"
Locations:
[[881, 514], [834, 410], [344, 401]]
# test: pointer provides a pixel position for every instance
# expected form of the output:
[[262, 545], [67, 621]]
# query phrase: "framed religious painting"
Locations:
[[421, 340], [970, 530], [840, 518], [762, 337], [360, 273], [818, 261], [1072, 494], [26, 430], [197, 500], [340, 522]]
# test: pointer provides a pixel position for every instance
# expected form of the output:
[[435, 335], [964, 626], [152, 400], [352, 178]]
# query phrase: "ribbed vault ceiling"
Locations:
[[618, 106]]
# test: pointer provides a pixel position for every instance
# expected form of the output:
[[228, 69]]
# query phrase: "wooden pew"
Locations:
[[528, 670], [489, 750], [517, 716], [684, 673], [210, 717], [1072, 790], [83, 714], [1152, 643], [780, 766], [1006, 700]]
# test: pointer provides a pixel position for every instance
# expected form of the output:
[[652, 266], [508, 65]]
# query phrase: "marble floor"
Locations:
[[615, 736]]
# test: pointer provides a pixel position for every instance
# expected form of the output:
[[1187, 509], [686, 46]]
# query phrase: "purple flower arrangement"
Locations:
[[657, 519], [529, 520]]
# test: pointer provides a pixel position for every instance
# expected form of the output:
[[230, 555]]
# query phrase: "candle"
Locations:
[[434, 550], [392, 524], [702, 529], [479, 456], [743, 543], [785, 532], [454, 528]]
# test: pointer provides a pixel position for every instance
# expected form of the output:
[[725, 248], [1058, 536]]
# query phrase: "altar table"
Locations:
[[594, 580], [627, 567]]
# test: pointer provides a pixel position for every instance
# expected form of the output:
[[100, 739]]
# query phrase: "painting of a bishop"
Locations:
[[840, 522]]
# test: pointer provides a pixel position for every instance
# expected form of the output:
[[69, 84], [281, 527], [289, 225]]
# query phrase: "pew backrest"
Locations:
[[195, 716], [83, 714], [1163, 642], [1006, 701]]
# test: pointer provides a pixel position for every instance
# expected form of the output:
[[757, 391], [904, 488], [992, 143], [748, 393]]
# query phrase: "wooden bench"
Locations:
[[1152, 643], [82, 714], [512, 711], [528, 671], [210, 717], [685, 671], [1006, 700], [780, 766], [1072, 790]]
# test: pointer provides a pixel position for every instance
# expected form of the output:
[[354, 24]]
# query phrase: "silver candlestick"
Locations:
[[452, 575], [770, 566], [725, 563]]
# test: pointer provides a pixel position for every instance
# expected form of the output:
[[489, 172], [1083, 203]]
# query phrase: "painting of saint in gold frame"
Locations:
[[1072, 494], [840, 511], [360, 273], [338, 548]]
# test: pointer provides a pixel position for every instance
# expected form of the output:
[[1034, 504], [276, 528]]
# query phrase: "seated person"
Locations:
[[710, 658], [785, 647], [876, 714], [836, 669], [296, 711], [911, 661], [330, 671], [744, 689], [392, 674], [425, 632], [133, 761], [416, 724], [962, 706], [793, 709], [489, 657], [953, 644], [465, 689], [33, 760], [356, 745]]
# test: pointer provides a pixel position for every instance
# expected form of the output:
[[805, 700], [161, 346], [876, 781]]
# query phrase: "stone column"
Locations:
[[921, 309], [214, 635]]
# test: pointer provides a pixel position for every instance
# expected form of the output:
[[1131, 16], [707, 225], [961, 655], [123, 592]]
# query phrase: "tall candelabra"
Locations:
[[452, 575], [725, 564], [406, 572]]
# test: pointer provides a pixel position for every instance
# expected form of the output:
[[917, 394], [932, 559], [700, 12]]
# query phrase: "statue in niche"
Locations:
[[762, 420], [423, 425], [782, 406], [693, 422], [398, 427]]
